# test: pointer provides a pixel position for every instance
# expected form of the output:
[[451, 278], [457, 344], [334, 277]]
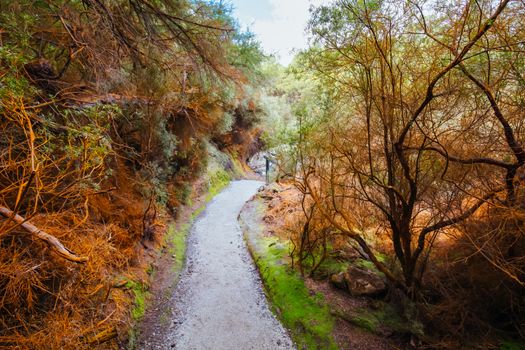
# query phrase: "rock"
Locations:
[[364, 282], [41, 73], [266, 197], [348, 254], [359, 282], [338, 280]]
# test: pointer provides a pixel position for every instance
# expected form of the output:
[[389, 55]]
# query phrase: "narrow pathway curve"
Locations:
[[219, 303]]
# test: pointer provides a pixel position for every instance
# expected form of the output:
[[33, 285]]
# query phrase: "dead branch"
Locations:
[[103, 336], [52, 241]]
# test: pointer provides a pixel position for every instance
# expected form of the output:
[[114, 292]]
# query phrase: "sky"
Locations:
[[278, 24]]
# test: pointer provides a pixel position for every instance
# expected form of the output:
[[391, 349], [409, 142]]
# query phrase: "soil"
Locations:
[[219, 302]]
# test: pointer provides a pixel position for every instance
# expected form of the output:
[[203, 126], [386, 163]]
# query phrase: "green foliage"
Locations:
[[12, 83], [292, 102], [78, 142], [246, 54], [19, 25], [184, 193], [225, 124], [512, 345], [15, 87]]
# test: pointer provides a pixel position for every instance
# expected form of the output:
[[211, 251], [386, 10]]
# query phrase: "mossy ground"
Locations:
[[385, 316], [512, 345], [141, 293], [306, 315], [177, 245]]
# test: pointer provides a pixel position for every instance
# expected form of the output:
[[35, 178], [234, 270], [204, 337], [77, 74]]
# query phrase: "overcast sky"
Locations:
[[278, 24]]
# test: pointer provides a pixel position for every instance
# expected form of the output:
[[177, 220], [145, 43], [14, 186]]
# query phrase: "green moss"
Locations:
[[367, 321], [368, 265], [331, 266], [386, 316], [218, 180], [305, 315], [327, 268], [197, 212], [512, 345], [140, 292], [177, 245]]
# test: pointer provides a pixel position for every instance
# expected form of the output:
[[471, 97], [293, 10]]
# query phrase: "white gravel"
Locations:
[[219, 302]]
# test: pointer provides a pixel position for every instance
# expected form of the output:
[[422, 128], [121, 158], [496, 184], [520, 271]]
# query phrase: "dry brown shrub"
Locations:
[[477, 281], [49, 303], [46, 301]]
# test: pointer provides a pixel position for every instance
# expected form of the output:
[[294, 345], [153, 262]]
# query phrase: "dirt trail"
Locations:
[[219, 302]]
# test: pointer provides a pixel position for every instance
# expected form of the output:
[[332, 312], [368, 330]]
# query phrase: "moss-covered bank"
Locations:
[[306, 316]]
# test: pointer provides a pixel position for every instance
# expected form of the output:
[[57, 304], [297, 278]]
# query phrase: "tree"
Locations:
[[422, 131]]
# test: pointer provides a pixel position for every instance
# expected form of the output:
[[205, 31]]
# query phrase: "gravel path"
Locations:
[[219, 303]]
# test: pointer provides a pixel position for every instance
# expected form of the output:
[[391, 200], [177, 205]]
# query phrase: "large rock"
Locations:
[[359, 282]]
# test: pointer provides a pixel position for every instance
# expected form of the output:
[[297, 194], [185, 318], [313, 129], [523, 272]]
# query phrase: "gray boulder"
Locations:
[[359, 282]]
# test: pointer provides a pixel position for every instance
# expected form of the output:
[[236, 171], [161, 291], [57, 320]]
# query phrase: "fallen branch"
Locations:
[[52, 241], [103, 336]]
